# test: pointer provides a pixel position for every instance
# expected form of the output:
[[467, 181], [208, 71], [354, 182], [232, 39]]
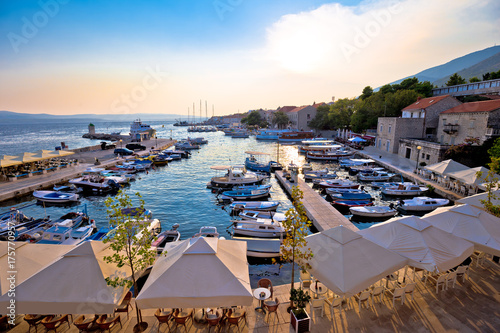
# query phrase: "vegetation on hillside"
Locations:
[[255, 119]]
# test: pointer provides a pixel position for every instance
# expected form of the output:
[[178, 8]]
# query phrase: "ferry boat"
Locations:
[[139, 131]]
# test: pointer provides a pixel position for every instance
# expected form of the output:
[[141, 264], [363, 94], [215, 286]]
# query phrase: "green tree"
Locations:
[[280, 119], [131, 242], [492, 183], [253, 119], [341, 113], [474, 79], [320, 121], [294, 244], [367, 92], [494, 151], [455, 79]]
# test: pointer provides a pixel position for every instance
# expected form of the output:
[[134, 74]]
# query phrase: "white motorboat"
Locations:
[[350, 162], [256, 214], [339, 183], [316, 179], [373, 211], [260, 247], [422, 204], [328, 155], [375, 176], [306, 167], [263, 228], [66, 235], [186, 145], [235, 176], [254, 205], [334, 190], [246, 194], [168, 236], [208, 232], [404, 190], [138, 129], [55, 196]]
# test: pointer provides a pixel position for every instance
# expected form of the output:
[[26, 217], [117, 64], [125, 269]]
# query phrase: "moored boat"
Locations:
[[208, 231], [373, 211], [295, 136], [351, 203], [404, 190], [235, 176], [351, 196], [245, 194], [167, 236], [263, 228], [339, 183], [254, 205], [328, 155], [254, 164], [375, 176], [421, 204], [55, 197], [260, 247], [256, 214]]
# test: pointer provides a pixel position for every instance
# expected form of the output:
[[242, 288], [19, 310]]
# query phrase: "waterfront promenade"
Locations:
[[322, 215], [471, 306], [87, 158]]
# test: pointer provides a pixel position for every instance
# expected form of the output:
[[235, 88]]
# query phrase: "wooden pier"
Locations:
[[322, 215]]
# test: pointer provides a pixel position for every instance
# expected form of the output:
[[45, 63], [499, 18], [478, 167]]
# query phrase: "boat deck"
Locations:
[[319, 211]]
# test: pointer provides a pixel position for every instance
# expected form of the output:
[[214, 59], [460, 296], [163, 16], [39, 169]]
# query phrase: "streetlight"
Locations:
[[121, 143], [418, 156], [156, 142]]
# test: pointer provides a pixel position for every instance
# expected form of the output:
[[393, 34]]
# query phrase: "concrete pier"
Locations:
[[322, 215], [86, 158]]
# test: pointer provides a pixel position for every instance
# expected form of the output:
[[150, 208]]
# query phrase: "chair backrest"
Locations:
[[462, 269], [442, 278], [213, 320], [265, 283], [337, 301], [235, 319], [364, 295], [398, 292], [378, 290], [451, 276], [317, 302], [273, 307], [305, 275], [410, 287]]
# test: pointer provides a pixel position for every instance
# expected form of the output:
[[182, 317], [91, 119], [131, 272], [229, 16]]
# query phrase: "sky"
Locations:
[[119, 57]]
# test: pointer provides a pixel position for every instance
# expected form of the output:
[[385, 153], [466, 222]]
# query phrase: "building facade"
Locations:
[[422, 151], [391, 129], [301, 117]]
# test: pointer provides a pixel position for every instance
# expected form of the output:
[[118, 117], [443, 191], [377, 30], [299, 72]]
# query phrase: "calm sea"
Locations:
[[175, 193]]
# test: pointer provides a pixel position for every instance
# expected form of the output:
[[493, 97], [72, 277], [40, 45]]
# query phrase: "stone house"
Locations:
[[391, 129], [300, 117], [475, 120], [430, 152]]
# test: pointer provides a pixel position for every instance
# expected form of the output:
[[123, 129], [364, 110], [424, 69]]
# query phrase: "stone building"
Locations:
[[477, 121], [429, 109], [430, 152], [391, 129], [300, 117]]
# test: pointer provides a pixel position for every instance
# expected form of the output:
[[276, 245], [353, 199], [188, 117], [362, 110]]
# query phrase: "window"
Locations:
[[423, 155], [308, 116], [471, 123], [428, 157], [381, 128], [389, 129], [388, 145]]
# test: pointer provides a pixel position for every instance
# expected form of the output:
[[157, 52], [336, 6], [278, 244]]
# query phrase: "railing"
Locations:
[[450, 129], [490, 86]]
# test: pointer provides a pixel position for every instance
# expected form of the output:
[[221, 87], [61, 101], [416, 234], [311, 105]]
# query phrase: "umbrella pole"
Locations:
[[141, 326]]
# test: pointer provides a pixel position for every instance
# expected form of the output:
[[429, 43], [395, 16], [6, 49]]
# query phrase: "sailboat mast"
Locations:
[[200, 111], [212, 110], [206, 111], [194, 114], [188, 115]]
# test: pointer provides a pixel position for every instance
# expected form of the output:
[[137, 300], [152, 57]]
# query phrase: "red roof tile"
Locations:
[[299, 108], [482, 106], [286, 109], [424, 103]]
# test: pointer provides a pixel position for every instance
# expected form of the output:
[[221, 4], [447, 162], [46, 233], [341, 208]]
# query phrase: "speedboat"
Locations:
[[167, 236], [254, 205], [95, 184], [352, 203], [351, 196], [373, 211], [256, 214], [375, 176], [208, 232], [66, 235], [404, 190], [261, 247], [252, 163], [339, 183], [263, 228], [245, 194], [55, 196], [421, 204], [235, 176]]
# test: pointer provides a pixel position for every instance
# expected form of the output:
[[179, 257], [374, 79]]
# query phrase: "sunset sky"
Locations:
[[72, 57]]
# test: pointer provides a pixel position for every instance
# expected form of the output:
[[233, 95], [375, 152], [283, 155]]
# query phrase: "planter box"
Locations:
[[300, 325]]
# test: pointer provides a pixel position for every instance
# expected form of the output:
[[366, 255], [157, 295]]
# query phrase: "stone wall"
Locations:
[[391, 129], [430, 152], [470, 125]]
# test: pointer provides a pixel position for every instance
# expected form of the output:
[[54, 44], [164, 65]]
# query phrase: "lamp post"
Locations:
[[156, 142], [121, 143], [418, 156]]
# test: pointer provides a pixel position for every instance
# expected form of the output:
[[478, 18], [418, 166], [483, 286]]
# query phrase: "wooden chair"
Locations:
[[105, 323], [234, 318], [181, 318], [51, 323], [163, 317], [272, 307], [85, 324], [33, 320], [125, 304], [213, 320], [266, 283]]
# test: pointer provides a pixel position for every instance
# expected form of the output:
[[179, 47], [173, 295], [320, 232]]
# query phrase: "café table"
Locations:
[[318, 288], [261, 294]]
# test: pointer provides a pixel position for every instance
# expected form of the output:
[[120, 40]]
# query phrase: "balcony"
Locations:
[[450, 129], [491, 131]]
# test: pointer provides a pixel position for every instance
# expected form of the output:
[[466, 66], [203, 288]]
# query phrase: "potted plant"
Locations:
[[299, 318]]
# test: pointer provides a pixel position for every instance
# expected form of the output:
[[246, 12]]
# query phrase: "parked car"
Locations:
[[105, 145], [123, 151], [134, 146]]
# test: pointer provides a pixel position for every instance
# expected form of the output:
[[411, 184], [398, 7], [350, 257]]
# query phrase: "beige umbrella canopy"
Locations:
[[475, 200], [74, 283], [197, 273], [445, 167], [470, 176], [347, 263], [424, 245], [470, 223]]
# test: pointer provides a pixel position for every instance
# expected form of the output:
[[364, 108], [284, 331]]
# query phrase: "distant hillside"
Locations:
[[439, 73], [16, 117]]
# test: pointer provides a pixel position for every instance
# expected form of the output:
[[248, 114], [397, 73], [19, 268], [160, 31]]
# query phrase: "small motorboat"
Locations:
[[262, 228], [67, 188], [260, 247], [375, 176], [312, 177], [254, 205], [254, 164], [255, 214], [373, 211], [208, 232], [235, 176], [421, 204], [334, 190], [339, 183], [253, 187], [55, 197], [245, 194], [33, 232], [328, 155], [351, 203], [404, 190], [161, 160], [168, 236], [101, 234], [66, 235], [351, 196], [306, 167]]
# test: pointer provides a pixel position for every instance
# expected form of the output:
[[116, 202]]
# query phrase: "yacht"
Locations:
[[235, 176], [137, 129]]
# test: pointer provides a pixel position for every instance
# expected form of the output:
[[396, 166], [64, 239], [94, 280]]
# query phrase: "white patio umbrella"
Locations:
[[469, 176], [74, 283], [357, 139], [197, 273], [475, 200], [347, 263], [425, 246], [470, 223], [445, 167]]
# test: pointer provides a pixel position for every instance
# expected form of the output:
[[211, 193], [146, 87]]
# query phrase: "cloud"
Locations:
[[376, 42]]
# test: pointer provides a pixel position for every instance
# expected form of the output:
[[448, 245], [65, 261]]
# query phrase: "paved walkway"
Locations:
[[321, 213], [471, 306]]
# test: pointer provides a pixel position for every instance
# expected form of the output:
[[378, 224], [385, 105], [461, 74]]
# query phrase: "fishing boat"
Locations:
[[334, 190], [246, 194], [373, 211], [58, 234], [254, 164], [404, 190], [271, 135], [315, 178], [56, 197], [253, 187], [309, 175], [375, 176], [421, 204], [256, 214], [261, 247], [254, 205], [161, 160], [101, 234], [235, 176], [208, 232], [351, 196], [167, 236], [351, 203], [262, 228], [295, 136], [339, 183], [328, 155]]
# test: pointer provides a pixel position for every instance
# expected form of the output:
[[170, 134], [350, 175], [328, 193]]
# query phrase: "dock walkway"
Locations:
[[319, 211], [26, 186]]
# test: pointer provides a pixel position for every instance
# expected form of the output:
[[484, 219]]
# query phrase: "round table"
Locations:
[[261, 294], [321, 288]]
